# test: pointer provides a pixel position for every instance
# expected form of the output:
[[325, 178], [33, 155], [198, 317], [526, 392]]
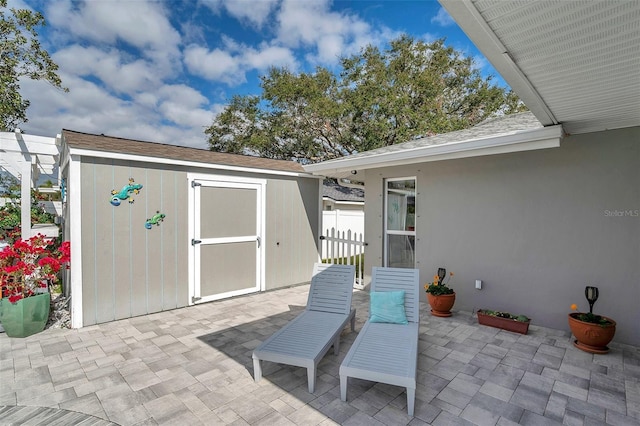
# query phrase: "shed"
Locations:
[[155, 227]]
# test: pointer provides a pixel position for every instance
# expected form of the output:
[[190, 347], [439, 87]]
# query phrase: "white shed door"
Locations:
[[227, 239]]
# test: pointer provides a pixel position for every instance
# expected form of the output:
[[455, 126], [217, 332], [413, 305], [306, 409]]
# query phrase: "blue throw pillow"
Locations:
[[387, 306]]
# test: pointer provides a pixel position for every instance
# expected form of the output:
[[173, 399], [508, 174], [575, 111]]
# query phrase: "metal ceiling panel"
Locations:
[[574, 62]]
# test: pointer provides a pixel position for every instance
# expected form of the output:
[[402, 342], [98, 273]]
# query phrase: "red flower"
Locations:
[[30, 264]]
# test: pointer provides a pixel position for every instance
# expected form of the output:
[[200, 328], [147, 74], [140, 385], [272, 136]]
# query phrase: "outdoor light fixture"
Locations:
[[441, 274], [591, 293]]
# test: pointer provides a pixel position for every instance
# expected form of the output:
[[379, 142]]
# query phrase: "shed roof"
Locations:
[[103, 143]]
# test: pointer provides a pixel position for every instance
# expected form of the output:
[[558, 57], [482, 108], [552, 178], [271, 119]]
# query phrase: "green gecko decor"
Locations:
[[154, 220], [126, 193]]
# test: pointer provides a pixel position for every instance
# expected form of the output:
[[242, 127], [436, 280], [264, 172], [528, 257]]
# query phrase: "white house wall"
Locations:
[[536, 227]]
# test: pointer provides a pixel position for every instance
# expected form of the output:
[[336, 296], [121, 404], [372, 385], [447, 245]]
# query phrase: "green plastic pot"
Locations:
[[25, 317]]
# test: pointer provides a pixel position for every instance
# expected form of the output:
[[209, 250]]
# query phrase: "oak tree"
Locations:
[[21, 56], [379, 98]]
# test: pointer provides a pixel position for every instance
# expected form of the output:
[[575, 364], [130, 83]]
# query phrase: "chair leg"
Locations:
[[411, 400], [343, 387], [336, 345], [257, 370], [311, 378]]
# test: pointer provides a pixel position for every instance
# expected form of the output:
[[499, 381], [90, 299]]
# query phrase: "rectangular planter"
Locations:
[[503, 323]]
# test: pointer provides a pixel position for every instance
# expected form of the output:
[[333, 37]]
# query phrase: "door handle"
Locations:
[[259, 241]]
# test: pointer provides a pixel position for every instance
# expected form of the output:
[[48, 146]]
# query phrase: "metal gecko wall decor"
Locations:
[[154, 220], [126, 193]]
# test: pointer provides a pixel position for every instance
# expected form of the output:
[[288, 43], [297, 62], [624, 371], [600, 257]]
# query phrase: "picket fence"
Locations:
[[345, 248]]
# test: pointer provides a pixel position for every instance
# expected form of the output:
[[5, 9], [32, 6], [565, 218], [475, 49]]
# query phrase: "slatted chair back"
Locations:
[[396, 279], [331, 288]]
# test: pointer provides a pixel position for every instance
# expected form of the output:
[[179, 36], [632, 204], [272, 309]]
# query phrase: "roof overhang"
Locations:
[[81, 152], [351, 167], [571, 62]]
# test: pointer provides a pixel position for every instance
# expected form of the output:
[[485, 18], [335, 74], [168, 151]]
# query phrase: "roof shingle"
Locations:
[[104, 143]]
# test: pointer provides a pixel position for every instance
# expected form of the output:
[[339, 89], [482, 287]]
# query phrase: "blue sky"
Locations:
[[161, 70]]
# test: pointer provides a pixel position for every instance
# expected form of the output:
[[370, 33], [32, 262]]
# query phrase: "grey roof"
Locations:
[[489, 128], [89, 141], [336, 192]]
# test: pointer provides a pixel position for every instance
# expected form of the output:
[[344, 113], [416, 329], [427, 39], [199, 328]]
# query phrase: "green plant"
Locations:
[[10, 216], [499, 314], [438, 288], [27, 266], [589, 317]]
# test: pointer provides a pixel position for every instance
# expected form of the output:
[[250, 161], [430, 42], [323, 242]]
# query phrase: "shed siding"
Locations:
[[292, 221], [127, 269]]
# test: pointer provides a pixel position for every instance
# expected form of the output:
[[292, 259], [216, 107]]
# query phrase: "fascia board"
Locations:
[[476, 28], [355, 203], [158, 160], [548, 137]]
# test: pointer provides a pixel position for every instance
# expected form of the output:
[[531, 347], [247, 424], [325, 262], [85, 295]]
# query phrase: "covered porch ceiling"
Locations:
[[576, 63]]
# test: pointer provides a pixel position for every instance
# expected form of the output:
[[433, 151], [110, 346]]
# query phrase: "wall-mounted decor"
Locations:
[[126, 193], [154, 220]]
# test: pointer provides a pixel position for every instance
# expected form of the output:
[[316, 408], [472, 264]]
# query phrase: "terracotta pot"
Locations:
[[590, 337], [508, 324], [441, 305]]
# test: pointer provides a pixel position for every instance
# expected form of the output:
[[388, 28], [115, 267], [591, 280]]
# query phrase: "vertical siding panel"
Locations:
[[87, 170], [182, 240], [138, 216], [106, 217], [121, 231], [155, 256], [168, 233]]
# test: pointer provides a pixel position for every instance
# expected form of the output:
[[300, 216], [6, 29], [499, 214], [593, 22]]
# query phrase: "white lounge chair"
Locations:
[[307, 338], [388, 353]]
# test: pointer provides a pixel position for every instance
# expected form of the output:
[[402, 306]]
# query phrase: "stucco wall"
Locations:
[[536, 227]]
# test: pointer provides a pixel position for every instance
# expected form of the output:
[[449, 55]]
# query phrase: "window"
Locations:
[[400, 231]]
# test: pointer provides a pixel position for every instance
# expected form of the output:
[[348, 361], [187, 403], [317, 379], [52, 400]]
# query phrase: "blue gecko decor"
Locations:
[[126, 193], [154, 220]]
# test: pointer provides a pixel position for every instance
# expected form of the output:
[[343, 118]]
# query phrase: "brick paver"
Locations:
[[193, 366]]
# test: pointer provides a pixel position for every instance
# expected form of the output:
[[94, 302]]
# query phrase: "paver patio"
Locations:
[[193, 366]]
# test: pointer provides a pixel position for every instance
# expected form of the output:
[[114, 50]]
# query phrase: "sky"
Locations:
[[160, 71]]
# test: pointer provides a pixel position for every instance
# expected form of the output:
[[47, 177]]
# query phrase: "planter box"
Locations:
[[503, 323]]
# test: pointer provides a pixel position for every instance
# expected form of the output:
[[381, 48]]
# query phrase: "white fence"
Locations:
[[346, 248], [344, 220]]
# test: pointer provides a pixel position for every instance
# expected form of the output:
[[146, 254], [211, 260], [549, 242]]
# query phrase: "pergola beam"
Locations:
[[25, 157]]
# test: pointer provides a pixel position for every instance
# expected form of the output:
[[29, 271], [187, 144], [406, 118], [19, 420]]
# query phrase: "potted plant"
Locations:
[[27, 268], [504, 320], [440, 297], [592, 332]]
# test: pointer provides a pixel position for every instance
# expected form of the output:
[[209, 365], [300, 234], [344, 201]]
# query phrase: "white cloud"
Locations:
[[230, 66], [174, 114], [138, 23], [443, 18], [215, 65], [110, 67], [256, 12], [311, 24]]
